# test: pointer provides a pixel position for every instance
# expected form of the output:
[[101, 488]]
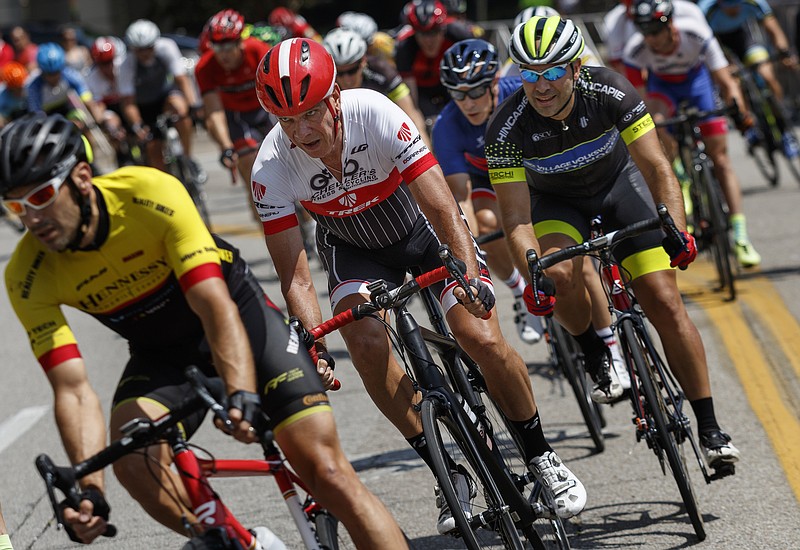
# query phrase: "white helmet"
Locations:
[[142, 33], [345, 46], [527, 13], [361, 23]]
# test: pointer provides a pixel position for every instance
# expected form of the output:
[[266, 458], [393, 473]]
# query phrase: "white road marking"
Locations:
[[14, 427]]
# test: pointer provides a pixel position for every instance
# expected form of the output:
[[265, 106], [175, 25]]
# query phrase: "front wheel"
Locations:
[[665, 432], [327, 528]]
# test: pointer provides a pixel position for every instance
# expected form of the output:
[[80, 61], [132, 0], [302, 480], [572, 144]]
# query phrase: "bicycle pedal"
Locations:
[[723, 470]]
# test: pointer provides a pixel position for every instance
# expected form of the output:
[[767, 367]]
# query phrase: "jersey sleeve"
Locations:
[[763, 9], [271, 187], [624, 105], [30, 284], [127, 71], [715, 57], [447, 146], [399, 137], [504, 154], [202, 73], [168, 50], [77, 83], [35, 95]]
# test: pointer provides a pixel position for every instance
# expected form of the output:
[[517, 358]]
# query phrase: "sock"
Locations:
[[704, 413], [516, 283], [533, 441], [608, 337], [419, 444], [739, 228]]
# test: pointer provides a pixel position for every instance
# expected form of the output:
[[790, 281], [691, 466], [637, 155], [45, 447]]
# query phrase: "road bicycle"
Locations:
[[566, 357], [460, 421], [181, 166], [317, 527], [707, 213], [657, 400], [772, 125]]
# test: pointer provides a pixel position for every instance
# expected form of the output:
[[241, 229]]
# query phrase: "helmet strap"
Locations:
[[85, 205]]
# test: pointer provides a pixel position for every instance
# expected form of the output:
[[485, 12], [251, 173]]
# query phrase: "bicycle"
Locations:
[[316, 526], [772, 126], [567, 358], [460, 420], [656, 399], [707, 216], [180, 165]]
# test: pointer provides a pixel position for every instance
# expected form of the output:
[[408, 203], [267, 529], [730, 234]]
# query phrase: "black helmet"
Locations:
[[36, 148], [650, 15]]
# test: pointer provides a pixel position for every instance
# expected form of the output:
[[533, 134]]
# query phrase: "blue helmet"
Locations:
[[471, 62], [50, 58]]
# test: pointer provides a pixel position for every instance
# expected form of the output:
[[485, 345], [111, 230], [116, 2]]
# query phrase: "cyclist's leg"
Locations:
[[154, 147], [305, 430]]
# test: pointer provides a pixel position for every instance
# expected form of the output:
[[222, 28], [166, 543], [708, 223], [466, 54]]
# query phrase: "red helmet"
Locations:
[[14, 74], [225, 26], [293, 76], [282, 17], [103, 50], [425, 15]]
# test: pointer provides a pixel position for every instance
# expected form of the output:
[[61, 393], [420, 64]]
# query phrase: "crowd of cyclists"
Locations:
[[374, 146]]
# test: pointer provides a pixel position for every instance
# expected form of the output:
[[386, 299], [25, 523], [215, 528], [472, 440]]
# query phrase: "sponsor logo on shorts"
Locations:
[[316, 399]]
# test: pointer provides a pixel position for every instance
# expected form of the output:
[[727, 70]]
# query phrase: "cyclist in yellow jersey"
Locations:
[[130, 249]]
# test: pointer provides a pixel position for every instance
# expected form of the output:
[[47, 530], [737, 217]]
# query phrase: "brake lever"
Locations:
[[197, 380], [456, 268]]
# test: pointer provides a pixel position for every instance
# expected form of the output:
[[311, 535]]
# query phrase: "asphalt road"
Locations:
[[753, 348]]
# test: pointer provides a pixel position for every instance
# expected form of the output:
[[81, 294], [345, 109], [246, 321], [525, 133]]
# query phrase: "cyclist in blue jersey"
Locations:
[[52, 91], [729, 19]]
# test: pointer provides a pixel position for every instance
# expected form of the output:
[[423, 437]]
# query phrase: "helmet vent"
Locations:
[[286, 85]]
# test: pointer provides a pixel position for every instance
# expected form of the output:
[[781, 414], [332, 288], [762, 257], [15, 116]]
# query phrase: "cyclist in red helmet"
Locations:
[[14, 98], [419, 52], [358, 165], [294, 24], [225, 76]]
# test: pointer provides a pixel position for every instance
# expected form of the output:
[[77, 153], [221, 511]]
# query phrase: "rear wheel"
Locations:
[[327, 531], [763, 152], [665, 432]]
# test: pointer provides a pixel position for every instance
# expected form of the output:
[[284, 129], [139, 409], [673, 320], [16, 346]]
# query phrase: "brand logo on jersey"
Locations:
[[511, 120], [584, 122], [359, 148], [320, 181], [348, 199], [404, 134], [639, 109], [541, 136], [258, 190]]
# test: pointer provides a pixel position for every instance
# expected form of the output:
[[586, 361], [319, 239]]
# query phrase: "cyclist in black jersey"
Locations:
[[130, 249], [575, 143]]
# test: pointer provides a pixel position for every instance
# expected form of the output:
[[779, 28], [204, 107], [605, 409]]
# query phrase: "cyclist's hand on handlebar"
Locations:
[[545, 304], [683, 253], [484, 298], [90, 520], [243, 406], [325, 366]]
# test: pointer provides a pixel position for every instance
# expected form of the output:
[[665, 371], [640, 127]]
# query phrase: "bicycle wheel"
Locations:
[[665, 433], [195, 189], [327, 528], [571, 364], [486, 521], [763, 152]]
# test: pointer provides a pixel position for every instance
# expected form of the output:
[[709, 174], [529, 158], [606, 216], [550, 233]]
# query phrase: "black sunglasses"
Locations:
[[349, 72], [474, 93]]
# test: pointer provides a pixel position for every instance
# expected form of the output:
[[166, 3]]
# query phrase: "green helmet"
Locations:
[[545, 40]]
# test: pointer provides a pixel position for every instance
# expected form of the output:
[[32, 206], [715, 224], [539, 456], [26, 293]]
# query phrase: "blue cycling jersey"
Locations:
[[43, 97], [12, 104], [458, 144], [722, 22]]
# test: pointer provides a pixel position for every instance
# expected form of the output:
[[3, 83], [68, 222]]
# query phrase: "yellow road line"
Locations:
[[237, 229], [764, 395]]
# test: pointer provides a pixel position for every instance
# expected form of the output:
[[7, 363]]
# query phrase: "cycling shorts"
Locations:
[[626, 201], [350, 269], [481, 187], [248, 129], [150, 112], [288, 382], [745, 45], [697, 90]]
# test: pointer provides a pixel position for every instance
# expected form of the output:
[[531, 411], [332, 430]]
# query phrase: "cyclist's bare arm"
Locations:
[[78, 414], [230, 348], [778, 38], [134, 117], [461, 188], [513, 200], [216, 123], [185, 85], [649, 157], [729, 89]]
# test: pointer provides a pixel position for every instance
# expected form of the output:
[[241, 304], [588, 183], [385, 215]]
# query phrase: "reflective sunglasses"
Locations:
[[551, 75], [650, 29], [227, 46], [348, 72], [474, 93], [38, 198]]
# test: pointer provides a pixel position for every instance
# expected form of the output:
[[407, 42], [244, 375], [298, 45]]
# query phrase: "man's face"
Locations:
[[476, 103], [351, 76], [547, 96], [228, 54], [313, 130], [430, 42], [56, 224], [660, 39], [145, 56]]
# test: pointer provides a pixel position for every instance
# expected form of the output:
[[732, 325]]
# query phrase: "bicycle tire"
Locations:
[[445, 439], [794, 163], [721, 248], [327, 529], [550, 533], [763, 152], [665, 440], [573, 369], [185, 174]]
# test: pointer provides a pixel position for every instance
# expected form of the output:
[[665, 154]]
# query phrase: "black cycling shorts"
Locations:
[[287, 379]]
